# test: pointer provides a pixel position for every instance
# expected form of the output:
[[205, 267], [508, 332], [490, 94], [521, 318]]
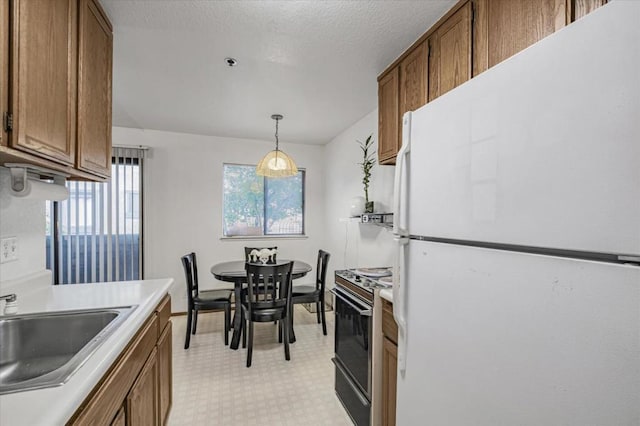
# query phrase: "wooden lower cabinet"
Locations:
[[389, 382], [137, 388], [389, 364], [121, 418], [142, 401], [4, 70], [165, 373]]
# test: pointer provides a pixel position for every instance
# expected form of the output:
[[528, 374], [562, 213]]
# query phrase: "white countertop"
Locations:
[[387, 294], [57, 404]]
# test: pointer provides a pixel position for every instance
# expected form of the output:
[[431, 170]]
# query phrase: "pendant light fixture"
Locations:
[[276, 163]]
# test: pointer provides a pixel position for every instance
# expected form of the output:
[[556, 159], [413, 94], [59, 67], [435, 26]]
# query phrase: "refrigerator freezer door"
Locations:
[[541, 150], [504, 338]]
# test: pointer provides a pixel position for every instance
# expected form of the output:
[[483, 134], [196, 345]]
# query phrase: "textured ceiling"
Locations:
[[315, 62]]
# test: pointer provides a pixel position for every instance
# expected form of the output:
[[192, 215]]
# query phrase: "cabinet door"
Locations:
[[389, 382], [142, 401], [120, 419], [388, 118], [95, 45], [165, 371], [450, 53], [580, 8], [505, 27], [4, 69], [44, 73], [413, 80]]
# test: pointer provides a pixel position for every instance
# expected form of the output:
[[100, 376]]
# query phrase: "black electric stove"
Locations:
[[353, 333]]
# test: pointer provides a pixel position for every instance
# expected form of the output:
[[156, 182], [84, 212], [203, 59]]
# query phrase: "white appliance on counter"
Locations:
[[517, 218]]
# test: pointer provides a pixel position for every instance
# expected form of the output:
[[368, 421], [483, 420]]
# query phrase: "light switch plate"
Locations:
[[9, 248]]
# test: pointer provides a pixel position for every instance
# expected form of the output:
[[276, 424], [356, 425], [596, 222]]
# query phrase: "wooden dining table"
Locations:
[[234, 272]]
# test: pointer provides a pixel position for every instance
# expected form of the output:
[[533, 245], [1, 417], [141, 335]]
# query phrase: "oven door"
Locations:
[[353, 324]]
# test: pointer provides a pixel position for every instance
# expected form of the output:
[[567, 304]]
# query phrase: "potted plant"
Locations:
[[368, 161]]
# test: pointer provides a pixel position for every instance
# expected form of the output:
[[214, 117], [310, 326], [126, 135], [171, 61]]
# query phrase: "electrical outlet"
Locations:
[[9, 248]]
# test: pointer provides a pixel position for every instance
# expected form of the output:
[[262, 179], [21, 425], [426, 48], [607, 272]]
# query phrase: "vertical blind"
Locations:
[[96, 235]]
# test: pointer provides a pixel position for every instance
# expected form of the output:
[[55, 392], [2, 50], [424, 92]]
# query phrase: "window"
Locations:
[[257, 206], [98, 236]]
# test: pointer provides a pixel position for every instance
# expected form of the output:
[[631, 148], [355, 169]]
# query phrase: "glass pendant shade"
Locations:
[[276, 164]]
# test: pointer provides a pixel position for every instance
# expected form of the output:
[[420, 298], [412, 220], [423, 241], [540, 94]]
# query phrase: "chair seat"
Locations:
[[299, 290], [267, 315], [213, 296]]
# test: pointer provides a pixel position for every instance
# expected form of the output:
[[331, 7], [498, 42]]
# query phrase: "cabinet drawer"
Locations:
[[389, 326], [164, 313]]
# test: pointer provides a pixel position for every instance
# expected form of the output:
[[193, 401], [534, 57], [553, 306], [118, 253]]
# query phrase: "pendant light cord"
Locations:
[[277, 134]]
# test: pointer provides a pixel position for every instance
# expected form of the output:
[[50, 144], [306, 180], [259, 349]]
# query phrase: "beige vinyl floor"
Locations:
[[213, 386]]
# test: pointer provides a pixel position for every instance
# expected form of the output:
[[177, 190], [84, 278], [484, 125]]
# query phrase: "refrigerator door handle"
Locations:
[[399, 186], [399, 301]]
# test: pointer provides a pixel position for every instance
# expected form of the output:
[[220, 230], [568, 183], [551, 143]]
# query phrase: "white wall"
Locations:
[[350, 243], [25, 220], [183, 202], [183, 194]]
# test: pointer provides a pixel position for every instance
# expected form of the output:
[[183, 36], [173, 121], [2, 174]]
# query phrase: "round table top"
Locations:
[[234, 270]]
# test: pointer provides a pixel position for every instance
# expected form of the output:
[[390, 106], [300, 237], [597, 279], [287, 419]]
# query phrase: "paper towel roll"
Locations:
[[38, 190]]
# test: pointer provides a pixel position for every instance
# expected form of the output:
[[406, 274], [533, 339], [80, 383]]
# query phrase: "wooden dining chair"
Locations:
[[261, 304], [313, 293], [203, 300]]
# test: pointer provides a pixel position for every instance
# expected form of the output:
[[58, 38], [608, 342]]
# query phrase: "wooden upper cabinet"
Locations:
[[413, 80], [505, 27], [450, 52], [95, 46], [471, 37], [576, 9], [4, 69], [388, 117], [43, 83]]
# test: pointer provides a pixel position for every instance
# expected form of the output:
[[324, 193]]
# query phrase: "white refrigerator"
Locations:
[[517, 222]]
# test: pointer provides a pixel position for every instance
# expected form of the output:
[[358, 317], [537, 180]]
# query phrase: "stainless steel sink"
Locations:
[[44, 350]]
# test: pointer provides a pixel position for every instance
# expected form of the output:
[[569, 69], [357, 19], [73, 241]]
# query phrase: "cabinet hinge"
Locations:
[[8, 122]]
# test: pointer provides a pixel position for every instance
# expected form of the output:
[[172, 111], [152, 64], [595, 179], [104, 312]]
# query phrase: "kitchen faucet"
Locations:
[[11, 303]]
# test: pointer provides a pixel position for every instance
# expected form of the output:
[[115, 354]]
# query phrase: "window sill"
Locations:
[[265, 237]]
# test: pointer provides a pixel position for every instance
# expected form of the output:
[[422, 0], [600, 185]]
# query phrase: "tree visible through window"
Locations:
[[255, 205]]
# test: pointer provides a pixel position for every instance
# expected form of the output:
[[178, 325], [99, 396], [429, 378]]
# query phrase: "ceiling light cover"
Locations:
[[276, 163]]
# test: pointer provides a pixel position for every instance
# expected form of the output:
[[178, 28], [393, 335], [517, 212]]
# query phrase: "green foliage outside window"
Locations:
[[254, 205]]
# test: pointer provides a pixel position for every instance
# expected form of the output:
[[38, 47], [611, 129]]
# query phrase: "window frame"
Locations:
[[265, 236]]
